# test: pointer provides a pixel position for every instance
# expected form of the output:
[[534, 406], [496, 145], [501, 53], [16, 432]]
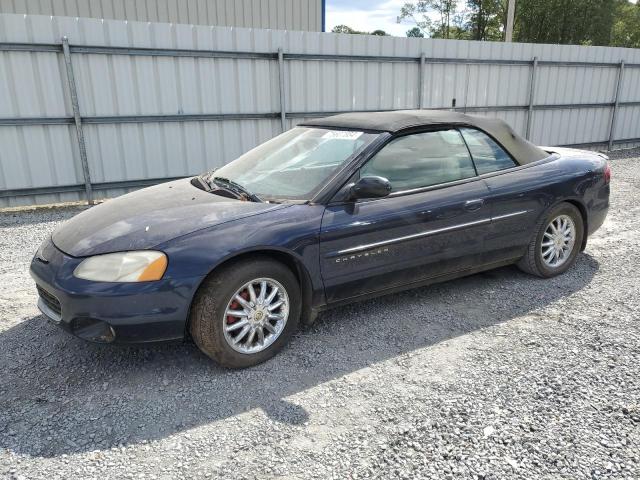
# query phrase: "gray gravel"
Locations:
[[499, 375]]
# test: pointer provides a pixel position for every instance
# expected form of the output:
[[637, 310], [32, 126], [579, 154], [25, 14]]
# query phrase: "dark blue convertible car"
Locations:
[[333, 211]]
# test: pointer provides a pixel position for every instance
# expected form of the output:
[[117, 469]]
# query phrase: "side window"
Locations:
[[421, 160], [487, 154]]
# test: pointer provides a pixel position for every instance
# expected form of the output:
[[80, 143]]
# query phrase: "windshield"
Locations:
[[296, 164]]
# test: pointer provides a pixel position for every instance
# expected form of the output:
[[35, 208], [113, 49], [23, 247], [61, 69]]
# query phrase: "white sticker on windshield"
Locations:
[[342, 134]]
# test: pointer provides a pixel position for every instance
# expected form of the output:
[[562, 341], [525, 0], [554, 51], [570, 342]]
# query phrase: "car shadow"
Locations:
[[60, 395]]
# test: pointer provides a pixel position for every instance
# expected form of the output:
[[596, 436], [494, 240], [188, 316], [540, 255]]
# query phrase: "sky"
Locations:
[[367, 15]]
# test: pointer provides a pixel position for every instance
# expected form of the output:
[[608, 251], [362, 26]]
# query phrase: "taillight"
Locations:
[[607, 173]]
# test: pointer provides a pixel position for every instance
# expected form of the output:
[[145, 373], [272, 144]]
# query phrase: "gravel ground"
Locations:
[[498, 375]]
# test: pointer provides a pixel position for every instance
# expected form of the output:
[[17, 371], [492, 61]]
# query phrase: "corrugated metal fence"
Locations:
[[125, 104]]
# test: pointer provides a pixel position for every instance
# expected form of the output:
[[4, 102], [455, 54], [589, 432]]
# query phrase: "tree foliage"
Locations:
[[626, 26], [474, 19], [433, 16], [415, 32], [579, 22], [486, 19], [348, 29]]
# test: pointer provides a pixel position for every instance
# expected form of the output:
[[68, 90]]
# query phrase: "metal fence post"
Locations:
[[532, 92], [616, 102], [73, 93], [421, 82], [283, 108], [466, 88]]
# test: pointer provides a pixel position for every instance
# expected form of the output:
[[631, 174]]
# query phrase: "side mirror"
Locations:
[[370, 187]]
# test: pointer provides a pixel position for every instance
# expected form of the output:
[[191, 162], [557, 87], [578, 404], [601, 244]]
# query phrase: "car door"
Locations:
[[516, 196], [433, 222]]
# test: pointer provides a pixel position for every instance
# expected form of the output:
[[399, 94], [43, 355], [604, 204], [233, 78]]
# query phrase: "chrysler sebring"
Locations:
[[332, 211]]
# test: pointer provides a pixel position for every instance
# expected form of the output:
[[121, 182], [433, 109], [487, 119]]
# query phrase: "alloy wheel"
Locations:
[[256, 315], [558, 241]]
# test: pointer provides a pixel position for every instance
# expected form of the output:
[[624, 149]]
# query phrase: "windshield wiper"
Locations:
[[202, 185], [235, 188]]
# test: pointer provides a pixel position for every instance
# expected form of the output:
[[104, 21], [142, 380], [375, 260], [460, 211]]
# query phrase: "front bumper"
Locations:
[[110, 312]]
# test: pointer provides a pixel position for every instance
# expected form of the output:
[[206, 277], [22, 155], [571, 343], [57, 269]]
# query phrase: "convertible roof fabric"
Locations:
[[397, 121]]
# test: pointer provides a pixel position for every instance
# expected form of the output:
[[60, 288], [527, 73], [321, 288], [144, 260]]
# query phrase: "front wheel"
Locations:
[[246, 312], [556, 244]]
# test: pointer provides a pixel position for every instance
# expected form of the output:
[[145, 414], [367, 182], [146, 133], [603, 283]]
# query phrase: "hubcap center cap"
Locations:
[[559, 242], [258, 316]]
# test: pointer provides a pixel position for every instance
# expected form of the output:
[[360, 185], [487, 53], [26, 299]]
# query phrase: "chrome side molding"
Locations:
[[427, 233], [509, 215]]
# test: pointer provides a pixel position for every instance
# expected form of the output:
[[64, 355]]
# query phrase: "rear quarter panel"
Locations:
[[577, 177], [589, 185]]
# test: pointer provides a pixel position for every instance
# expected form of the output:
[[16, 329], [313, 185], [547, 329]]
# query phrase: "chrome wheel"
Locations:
[[256, 315], [558, 241]]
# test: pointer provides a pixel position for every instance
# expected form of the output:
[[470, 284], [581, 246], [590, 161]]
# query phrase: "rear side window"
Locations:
[[422, 160], [487, 154]]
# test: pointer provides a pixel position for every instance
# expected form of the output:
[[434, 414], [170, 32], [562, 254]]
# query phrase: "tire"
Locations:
[[533, 261], [209, 322]]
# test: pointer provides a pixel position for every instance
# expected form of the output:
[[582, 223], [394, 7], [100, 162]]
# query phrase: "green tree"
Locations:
[[486, 19], [626, 26], [578, 22], [415, 32], [346, 29], [454, 32], [445, 12]]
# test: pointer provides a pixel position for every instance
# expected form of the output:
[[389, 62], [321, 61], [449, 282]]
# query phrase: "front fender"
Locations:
[[292, 231]]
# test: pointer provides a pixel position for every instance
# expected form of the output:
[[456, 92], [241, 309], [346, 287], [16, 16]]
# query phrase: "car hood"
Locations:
[[148, 217]]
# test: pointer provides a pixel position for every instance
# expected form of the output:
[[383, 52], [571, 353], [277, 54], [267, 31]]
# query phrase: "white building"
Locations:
[[305, 15]]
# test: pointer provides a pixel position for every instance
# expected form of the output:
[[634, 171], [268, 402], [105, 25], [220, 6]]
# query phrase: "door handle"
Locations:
[[472, 205]]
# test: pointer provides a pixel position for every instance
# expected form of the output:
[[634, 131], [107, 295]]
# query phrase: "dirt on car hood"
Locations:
[[148, 217]]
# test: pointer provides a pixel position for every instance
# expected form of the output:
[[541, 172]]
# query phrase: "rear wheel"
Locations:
[[246, 312], [556, 244]]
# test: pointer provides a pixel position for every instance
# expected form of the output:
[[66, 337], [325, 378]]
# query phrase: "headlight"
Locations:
[[142, 266]]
